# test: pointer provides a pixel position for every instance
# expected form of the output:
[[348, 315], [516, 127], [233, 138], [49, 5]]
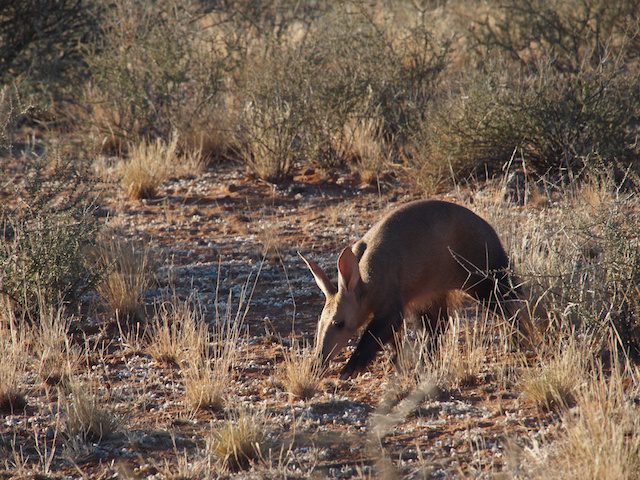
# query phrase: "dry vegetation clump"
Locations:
[[564, 369], [151, 163], [556, 91], [239, 441], [57, 356], [600, 437], [301, 371], [456, 358], [14, 349], [579, 257], [461, 354], [147, 167], [270, 129], [169, 79], [127, 279], [363, 145], [339, 95], [87, 415], [186, 467], [205, 385], [41, 46], [555, 122], [210, 371], [177, 333], [580, 33], [12, 112]]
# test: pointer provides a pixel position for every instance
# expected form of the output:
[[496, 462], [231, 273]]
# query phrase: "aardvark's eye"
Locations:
[[338, 324]]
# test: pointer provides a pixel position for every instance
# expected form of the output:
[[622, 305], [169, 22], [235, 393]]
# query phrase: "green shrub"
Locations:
[[41, 45], [45, 255], [303, 97], [555, 122], [154, 72], [573, 33]]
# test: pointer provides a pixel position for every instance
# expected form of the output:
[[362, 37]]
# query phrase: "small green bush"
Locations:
[[45, 254]]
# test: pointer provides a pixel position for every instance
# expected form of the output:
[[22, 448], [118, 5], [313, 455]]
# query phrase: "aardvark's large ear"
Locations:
[[321, 278], [348, 271]]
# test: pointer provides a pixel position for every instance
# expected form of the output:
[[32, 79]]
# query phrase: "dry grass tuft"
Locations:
[[147, 167], [456, 359], [238, 442], [128, 278], [205, 385], [185, 467], [58, 358], [301, 372], [554, 384], [177, 333], [362, 142], [13, 352], [212, 364], [462, 351], [603, 439], [86, 415]]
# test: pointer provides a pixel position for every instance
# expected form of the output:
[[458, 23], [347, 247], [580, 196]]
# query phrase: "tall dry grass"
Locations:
[[600, 436], [177, 333], [14, 351], [148, 166], [57, 356], [456, 358], [239, 440], [128, 277], [564, 367], [88, 416], [301, 371], [211, 370]]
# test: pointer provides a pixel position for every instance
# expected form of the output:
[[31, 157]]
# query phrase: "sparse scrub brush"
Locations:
[[168, 80], [42, 44], [557, 123], [302, 101], [48, 238], [575, 33]]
